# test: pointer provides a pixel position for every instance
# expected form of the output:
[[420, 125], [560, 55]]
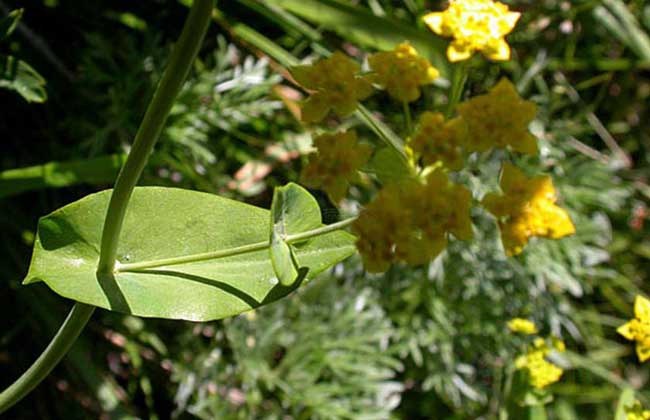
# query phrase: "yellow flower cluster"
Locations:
[[409, 221], [636, 412], [336, 86], [336, 163], [475, 25], [438, 140], [499, 118], [525, 209], [401, 72], [522, 326], [541, 372], [638, 329]]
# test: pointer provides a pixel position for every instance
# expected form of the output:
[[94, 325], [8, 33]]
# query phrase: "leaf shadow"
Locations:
[[56, 232], [280, 291], [274, 294]]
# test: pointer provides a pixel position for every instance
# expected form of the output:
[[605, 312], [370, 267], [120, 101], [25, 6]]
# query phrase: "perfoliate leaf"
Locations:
[[19, 76], [293, 210], [163, 223]]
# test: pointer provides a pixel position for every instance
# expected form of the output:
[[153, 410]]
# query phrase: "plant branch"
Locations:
[[58, 347], [154, 120]]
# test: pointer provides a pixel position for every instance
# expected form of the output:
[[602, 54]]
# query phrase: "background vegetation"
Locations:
[[413, 343]]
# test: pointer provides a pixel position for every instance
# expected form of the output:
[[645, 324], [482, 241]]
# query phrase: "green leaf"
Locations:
[[625, 400], [164, 223], [360, 26], [96, 171], [293, 210], [9, 23], [19, 76]]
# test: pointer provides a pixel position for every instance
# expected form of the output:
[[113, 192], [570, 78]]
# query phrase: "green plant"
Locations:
[[73, 244], [442, 348]]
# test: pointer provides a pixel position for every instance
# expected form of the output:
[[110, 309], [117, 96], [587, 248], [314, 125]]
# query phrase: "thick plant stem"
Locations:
[[179, 66], [58, 347]]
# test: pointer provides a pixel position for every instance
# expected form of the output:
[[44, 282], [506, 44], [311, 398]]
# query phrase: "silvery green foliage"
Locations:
[[234, 91], [323, 354]]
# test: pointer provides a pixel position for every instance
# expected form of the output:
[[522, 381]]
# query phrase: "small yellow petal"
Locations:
[[642, 308], [643, 352], [458, 52], [434, 21], [500, 51], [509, 21], [560, 224], [627, 330]]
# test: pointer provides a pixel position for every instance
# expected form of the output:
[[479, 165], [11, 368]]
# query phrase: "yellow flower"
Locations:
[[335, 85], [522, 326], [636, 412], [336, 163], [638, 329], [402, 71], [499, 119], [475, 25], [409, 221], [437, 140], [541, 372], [525, 209]]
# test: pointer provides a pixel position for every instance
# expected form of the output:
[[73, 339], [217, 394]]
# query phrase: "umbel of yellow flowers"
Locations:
[[638, 329], [541, 372], [335, 84], [409, 221], [401, 72], [500, 119], [475, 25], [525, 209], [336, 163]]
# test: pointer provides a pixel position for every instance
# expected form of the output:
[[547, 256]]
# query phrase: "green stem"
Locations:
[[458, 80], [179, 65], [153, 122], [298, 237], [58, 347], [222, 253], [382, 131]]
